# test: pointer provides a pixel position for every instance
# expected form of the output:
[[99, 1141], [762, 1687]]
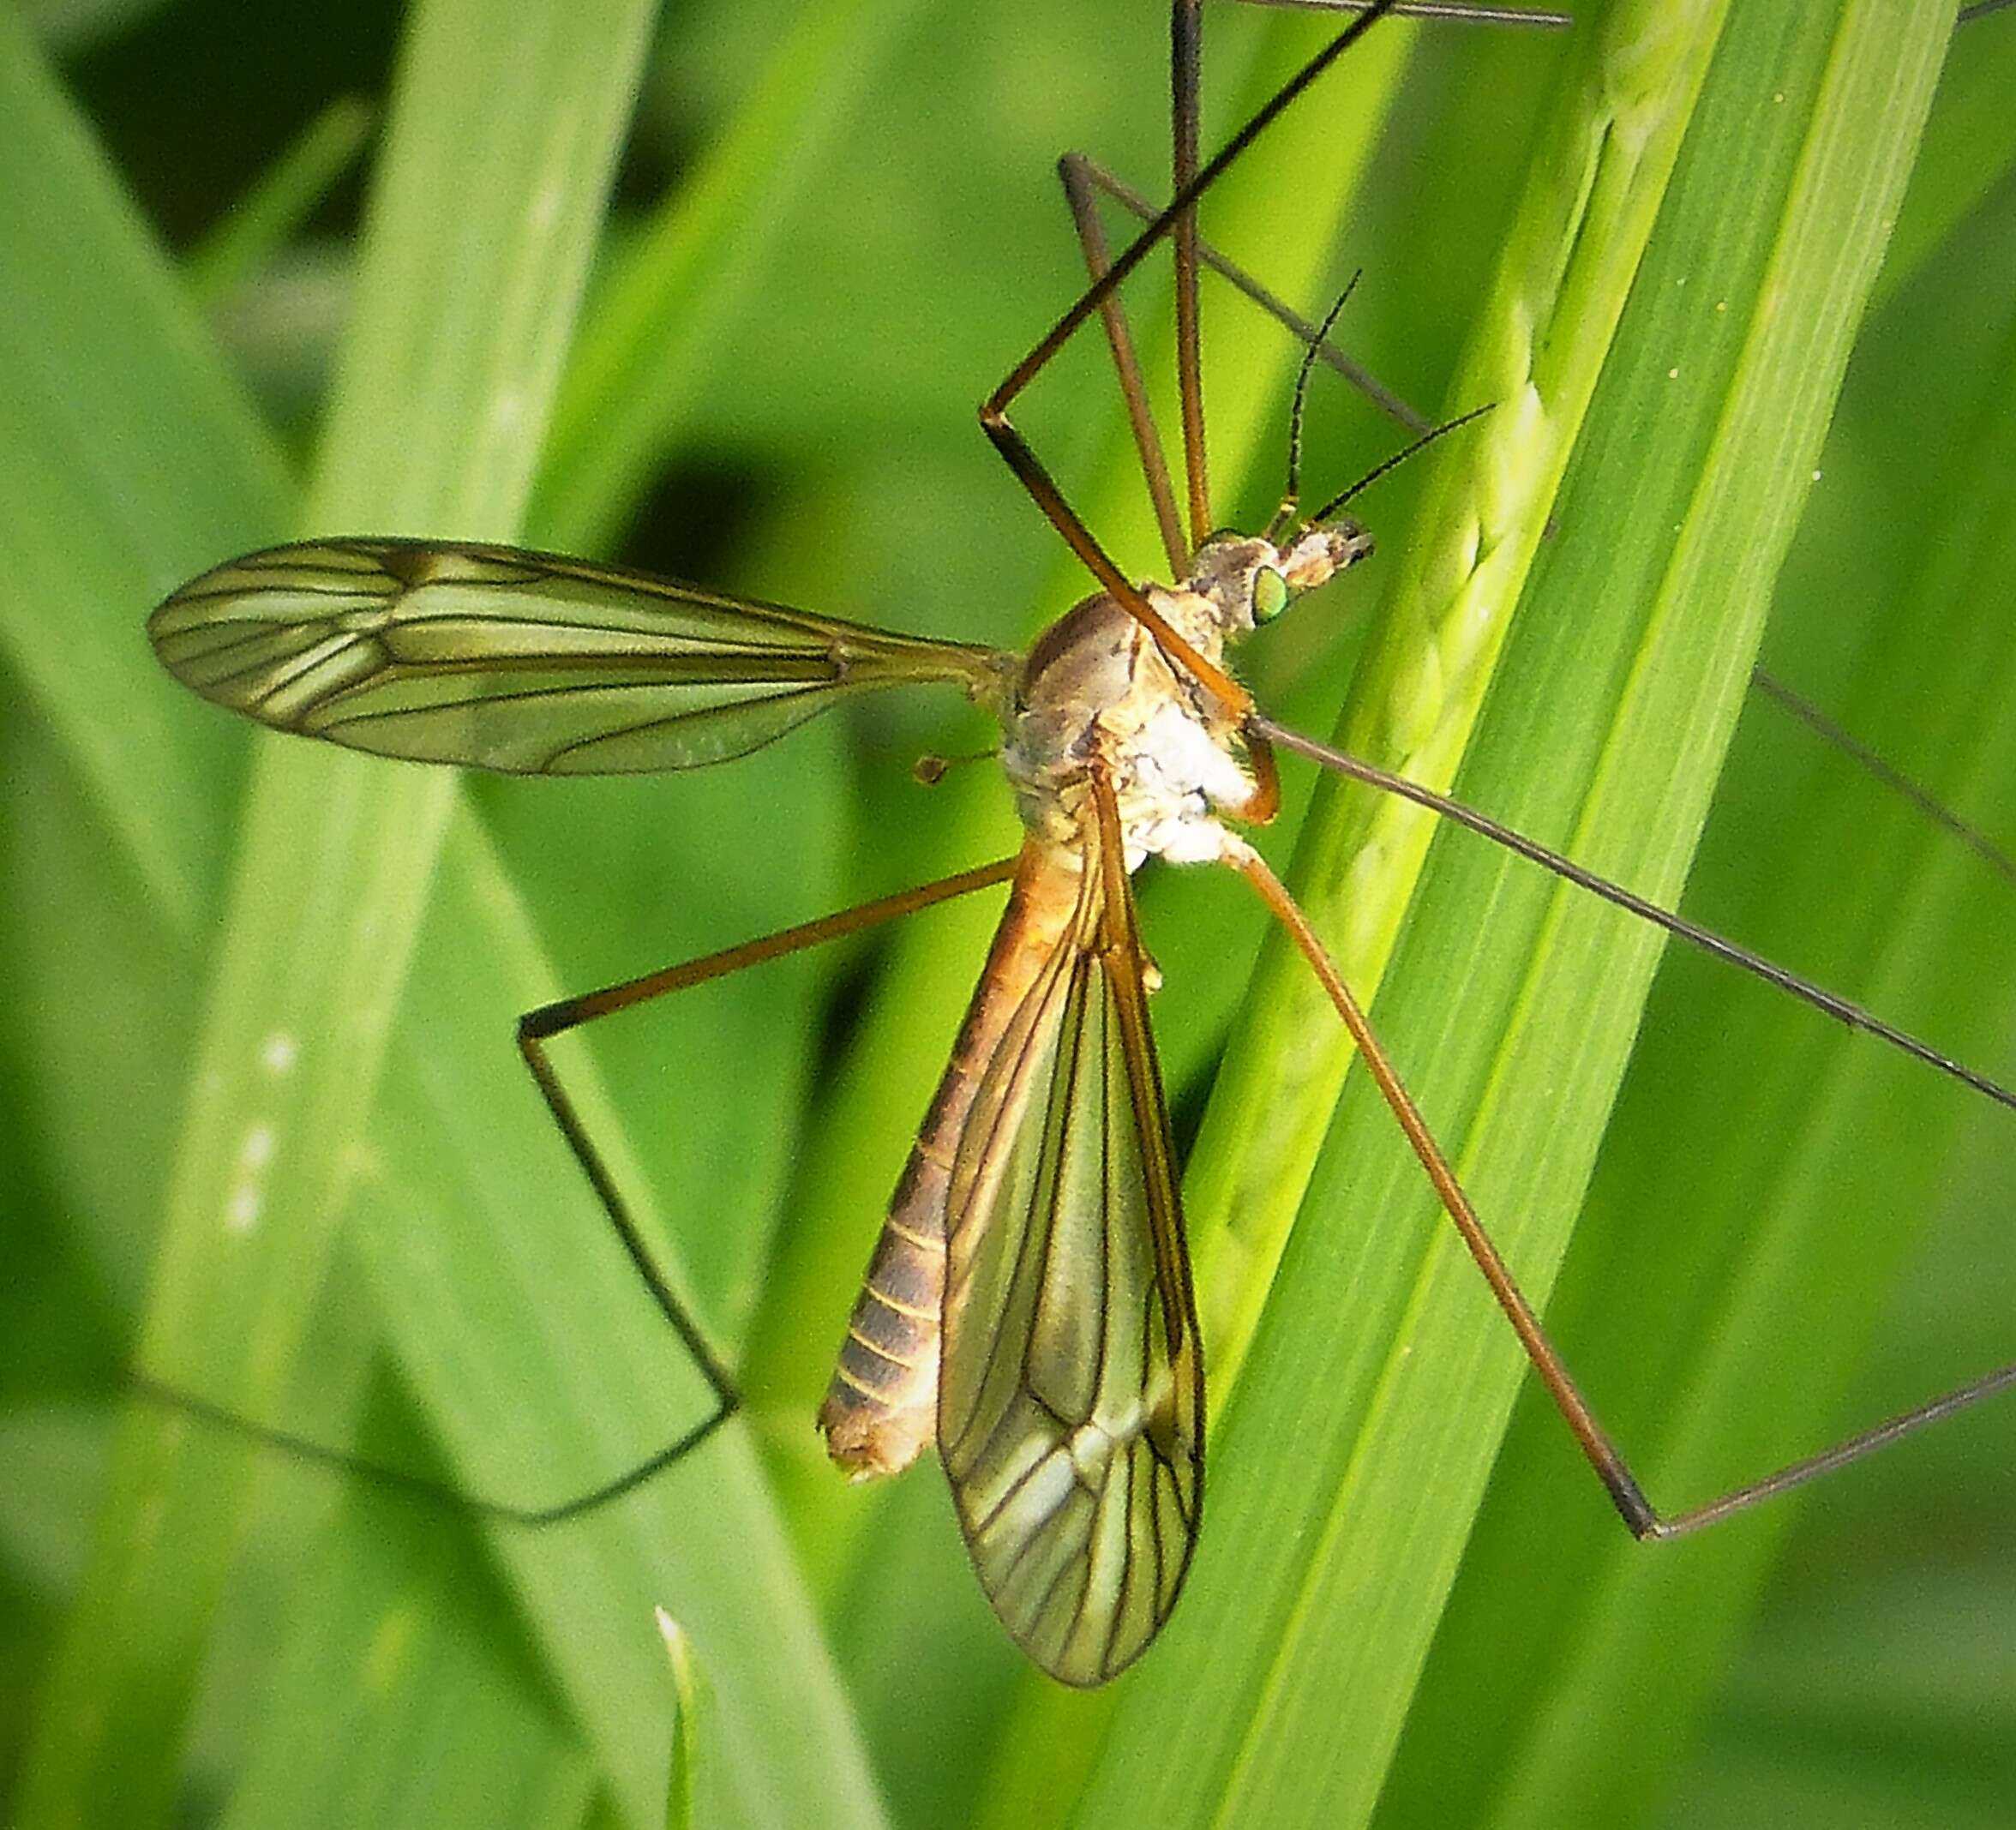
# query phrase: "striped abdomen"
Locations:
[[881, 1408]]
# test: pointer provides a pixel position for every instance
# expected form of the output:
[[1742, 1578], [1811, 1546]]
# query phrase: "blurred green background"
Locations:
[[835, 227]]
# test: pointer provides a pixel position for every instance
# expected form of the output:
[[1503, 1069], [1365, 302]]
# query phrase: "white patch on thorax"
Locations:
[[1175, 773]]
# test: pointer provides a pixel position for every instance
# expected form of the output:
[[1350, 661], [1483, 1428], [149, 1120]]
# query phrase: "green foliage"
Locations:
[[1649, 245]]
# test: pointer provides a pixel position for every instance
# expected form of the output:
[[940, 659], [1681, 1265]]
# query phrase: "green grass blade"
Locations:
[[65, 403], [261, 223], [490, 1305], [1903, 1552], [300, 1010], [1597, 186], [407, 1705], [1355, 1453], [687, 1756], [821, 1765], [594, 1649], [94, 523], [1764, 1247], [1969, 142], [633, 372]]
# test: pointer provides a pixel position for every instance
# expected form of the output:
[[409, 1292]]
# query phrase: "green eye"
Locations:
[[1270, 594]]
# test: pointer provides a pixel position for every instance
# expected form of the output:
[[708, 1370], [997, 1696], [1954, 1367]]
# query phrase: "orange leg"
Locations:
[[535, 1028], [1644, 1520]]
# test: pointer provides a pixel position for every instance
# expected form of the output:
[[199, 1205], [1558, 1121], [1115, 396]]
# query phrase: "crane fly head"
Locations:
[[1251, 581]]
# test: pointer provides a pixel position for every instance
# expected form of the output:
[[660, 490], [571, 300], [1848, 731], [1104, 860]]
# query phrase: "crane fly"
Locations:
[[1028, 1309], [1037, 1230]]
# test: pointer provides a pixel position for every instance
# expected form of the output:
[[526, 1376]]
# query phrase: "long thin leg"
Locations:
[[1079, 174], [1638, 1512], [535, 1028], [1461, 13], [1300, 328], [1021, 457], [1858, 753], [1705, 940], [1186, 36]]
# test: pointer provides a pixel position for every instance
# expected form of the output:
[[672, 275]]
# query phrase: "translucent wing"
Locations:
[[1071, 1402], [521, 662]]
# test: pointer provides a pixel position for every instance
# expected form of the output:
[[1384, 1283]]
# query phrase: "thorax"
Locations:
[[1096, 685]]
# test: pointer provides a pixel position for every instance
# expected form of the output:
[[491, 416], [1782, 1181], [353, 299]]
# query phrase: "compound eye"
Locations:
[[1270, 594]]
